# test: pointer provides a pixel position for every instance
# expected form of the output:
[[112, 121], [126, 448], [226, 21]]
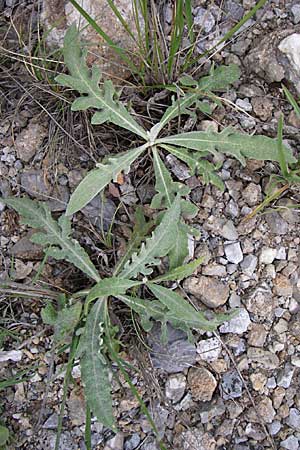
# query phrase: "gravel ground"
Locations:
[[235, 389]]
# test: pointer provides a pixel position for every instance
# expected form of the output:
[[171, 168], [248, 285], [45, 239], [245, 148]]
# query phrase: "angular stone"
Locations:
[[283, 286], [233, 252], [285, 376], [175, 387], [257, 335], [238, 324], [263, 107], [261, 304], [228, 231], [231, 385], [248, 265], [210, 291], [276, 223], [290, 46], [29, 140], [58, 15], [294, 419], [266, 410], [201, 383], [209, 349], [263, 358], [291, 443], [174, 356], [252, 194], [27, 250], [267, 255], [195, 439]]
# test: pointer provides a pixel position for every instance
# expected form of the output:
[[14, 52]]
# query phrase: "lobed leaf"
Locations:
[[167, 189], [86, 82], [140, 231], [179, 273], [230, 142], [94, 368], [220, 78], [197, 164], [181, 314], [109, 286], [55, 234], [155, 247], [98, 178]]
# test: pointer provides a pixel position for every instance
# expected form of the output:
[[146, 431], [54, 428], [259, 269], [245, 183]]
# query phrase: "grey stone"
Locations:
[[175, 387], [204, 19], [238, 324], [291, 443], [285, 376], [276, 223], [247, 122], [212, 410], [290, 46], [248, 265], [115, 443], [252, 194], [267, 255], [274, 427], [29, 140], [233, 252], [244, 104], [52, 422], [263, 358], [209, 349], [214, 269], [232, 209], [27, 250], [266, 410], [228, 231], [133, 442], [294, 419], [295, 10], [33, 181], [100, 211], [209, 290], [57, 16], [178, 168], [231, 385], [174, 356], [234, 10]]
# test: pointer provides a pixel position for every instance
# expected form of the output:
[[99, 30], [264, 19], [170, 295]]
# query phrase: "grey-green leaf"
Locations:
[[166, 188], [155, 247], [181, 313], [4, 435], [197, 164], [179, 273], [98, 178], [180, 249], [86, 82], [230, 142], [220, 79], [109, 286], [54, 234], [95, 369], [140, 231], [66, 321]]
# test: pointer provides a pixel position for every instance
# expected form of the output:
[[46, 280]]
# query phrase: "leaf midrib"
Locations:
[[138, 131], [65, 244]]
